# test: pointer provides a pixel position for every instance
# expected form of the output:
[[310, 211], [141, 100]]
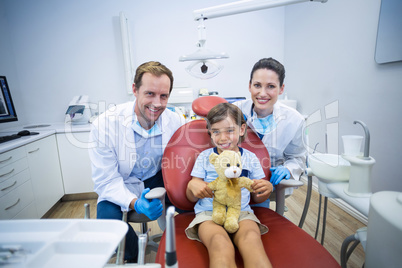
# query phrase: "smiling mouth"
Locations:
[[225, 145], [262, 101], [153, 110]]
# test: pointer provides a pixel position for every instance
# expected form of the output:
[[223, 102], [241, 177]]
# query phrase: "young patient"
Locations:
[[227, 128]]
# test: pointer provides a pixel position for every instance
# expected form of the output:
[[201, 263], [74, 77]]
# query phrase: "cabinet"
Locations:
[[34, 176], [16, 194], [44, 166], [75, 163]]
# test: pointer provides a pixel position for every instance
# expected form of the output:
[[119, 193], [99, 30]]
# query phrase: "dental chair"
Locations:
[[285, 244]]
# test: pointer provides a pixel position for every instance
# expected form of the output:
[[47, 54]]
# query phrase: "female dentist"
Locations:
[[279, 127]]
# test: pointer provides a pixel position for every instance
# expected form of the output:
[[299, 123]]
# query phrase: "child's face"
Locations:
[[226, 134]]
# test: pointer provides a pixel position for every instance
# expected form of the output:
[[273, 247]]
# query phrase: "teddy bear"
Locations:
[[227, 189]]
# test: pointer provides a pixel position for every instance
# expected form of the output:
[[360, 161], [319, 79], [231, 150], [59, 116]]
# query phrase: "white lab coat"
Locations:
[[285, 143], [113, 154]]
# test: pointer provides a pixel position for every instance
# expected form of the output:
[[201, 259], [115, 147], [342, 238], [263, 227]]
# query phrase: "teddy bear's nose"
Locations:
[[234, 171]]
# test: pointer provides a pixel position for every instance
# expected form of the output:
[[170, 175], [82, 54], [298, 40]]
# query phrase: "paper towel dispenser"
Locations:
[[78, 111]]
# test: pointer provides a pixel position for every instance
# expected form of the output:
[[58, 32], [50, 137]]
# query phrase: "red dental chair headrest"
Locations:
[[202, 105]]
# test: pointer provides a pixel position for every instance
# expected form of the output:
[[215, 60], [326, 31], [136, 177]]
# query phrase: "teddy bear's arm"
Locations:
[[246, 183], [212, 185]]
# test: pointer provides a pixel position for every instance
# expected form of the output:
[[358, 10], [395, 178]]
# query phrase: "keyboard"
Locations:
[[9, 138]]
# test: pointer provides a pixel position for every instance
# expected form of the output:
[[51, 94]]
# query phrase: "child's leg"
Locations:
[[220, 248], [249, 234]]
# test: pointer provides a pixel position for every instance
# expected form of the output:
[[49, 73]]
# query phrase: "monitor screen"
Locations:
[[234, 99], [7, 110]]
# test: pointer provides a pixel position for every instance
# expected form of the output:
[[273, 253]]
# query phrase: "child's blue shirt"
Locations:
[[204, 169]]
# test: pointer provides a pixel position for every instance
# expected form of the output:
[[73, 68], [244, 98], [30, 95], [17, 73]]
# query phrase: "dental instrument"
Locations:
[[142, 245], [170, 255], [122, 245]]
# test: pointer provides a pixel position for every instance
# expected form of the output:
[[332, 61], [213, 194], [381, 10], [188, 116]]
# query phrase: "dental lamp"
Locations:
[[204, 66]]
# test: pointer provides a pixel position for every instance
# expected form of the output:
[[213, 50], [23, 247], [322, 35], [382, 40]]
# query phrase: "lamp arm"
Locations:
[[242, 7]]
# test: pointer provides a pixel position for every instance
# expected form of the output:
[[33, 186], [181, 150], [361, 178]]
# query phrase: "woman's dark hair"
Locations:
[[270, 64]]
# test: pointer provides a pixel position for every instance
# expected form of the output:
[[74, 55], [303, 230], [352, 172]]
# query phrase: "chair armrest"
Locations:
[[290, 183], [280, 193]]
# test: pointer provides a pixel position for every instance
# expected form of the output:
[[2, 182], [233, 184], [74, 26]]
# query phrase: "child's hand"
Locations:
[[199, 188], [262, 188]]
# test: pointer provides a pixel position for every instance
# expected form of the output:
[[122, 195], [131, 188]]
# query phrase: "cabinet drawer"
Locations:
[[11, 156], [14, 182], [12, 169], [12, 203], [29, 212]]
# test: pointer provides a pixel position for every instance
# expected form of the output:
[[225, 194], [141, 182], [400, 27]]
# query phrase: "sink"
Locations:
[[329, 167]]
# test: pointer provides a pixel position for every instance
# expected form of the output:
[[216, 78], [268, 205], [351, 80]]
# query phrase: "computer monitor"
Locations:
[[7, 110], [234, 99]]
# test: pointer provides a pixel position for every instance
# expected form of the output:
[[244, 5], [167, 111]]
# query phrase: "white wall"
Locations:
[[66, 48], [329, 55], [8, 67]]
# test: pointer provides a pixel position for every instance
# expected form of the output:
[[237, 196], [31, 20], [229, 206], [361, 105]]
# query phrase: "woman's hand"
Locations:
[[197, 188], [262, 190]]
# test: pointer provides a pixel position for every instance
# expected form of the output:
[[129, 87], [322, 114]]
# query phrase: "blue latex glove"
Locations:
[[279, 173], [151, 208]]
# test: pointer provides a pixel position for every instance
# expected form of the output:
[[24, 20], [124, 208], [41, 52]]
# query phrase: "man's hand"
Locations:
[[279, 173], [151, 208]]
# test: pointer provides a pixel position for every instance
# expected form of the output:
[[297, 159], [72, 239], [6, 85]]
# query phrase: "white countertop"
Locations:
[[44, 130], [361, 204], [58, 127]]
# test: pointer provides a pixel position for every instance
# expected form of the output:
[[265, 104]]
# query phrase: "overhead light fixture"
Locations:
[[242, 7], [203, 67], [203, 56]]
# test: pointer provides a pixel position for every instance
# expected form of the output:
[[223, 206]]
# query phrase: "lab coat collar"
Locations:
[[153, 132], [254, 114]]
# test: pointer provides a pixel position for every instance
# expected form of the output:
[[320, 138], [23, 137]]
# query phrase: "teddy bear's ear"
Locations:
[[212, 158]]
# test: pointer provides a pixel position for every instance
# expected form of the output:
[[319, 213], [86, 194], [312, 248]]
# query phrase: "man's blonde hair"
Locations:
[[155, 68]]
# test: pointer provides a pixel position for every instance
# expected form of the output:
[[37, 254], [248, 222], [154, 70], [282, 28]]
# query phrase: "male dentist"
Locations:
[[130, 139]]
